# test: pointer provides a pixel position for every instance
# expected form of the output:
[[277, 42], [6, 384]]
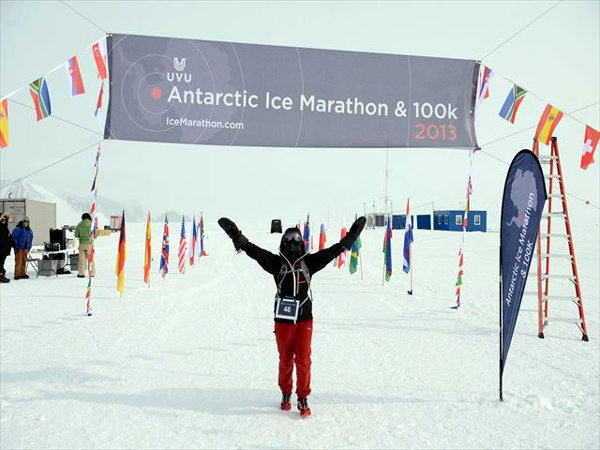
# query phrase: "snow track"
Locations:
[[192, 361]]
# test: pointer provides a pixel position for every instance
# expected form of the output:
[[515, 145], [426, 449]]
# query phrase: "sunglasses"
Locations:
[[294, 237]]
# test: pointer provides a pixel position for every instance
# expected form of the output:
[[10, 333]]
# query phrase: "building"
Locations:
[[42, 216], [399, 221], [451, 220], [424, 222]]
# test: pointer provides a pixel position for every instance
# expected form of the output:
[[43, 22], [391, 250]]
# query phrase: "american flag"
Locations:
[[182, 247]]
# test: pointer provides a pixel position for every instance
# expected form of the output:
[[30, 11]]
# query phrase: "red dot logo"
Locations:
[[156, 93]]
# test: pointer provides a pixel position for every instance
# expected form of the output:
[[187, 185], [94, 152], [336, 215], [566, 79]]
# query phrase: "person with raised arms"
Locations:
[[293, 269]]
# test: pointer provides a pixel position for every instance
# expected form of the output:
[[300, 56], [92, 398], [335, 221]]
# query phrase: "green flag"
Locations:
[[354, 255]]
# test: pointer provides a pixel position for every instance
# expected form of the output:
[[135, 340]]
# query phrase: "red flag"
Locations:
[[322, 237], [590, 142], [99, 57], [342, 258], [99, 102]]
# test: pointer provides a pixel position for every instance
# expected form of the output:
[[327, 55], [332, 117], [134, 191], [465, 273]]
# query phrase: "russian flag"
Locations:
[[74, 76], [322, 237]]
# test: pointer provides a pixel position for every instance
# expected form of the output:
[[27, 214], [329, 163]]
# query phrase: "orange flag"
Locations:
[[4, 123], [120, 270], [148, 253]]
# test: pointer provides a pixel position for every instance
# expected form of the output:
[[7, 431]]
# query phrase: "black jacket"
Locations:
[[6, 240], [290, 279]]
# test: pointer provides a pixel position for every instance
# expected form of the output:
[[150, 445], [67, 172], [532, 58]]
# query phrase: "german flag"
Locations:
[[547, 124], [120, 270]]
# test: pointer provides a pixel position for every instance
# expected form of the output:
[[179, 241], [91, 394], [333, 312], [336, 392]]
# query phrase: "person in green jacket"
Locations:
[[83, 233]]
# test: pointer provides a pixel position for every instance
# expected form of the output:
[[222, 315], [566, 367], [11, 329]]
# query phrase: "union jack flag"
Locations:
[[182, 247]]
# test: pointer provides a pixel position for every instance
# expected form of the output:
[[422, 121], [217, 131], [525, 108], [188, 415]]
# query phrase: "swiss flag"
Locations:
[[590, 142]]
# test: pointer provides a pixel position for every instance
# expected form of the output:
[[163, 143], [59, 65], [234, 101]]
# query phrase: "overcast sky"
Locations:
[[556, 58]]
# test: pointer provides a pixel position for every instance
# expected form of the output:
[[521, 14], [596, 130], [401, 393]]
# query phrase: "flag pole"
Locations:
[[361, 269], [384, 259], [501, 362], [410, 292]]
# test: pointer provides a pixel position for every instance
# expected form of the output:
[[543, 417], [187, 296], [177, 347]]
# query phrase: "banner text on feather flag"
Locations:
[[222, 93]]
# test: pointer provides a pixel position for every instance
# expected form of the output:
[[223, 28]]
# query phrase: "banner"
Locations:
[[224, 93], [522, 207]]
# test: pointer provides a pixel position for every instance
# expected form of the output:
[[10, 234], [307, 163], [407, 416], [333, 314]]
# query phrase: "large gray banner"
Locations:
[[224, 93]]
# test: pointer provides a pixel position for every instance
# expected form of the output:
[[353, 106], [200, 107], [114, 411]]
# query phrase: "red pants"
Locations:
[[293, 345]]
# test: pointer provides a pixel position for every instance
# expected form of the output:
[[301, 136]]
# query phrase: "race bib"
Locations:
[[287, 308]]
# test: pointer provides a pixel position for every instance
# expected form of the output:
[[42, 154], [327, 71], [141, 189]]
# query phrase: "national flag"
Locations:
[[100, 57], [342, 258], [512, 103], [354, 255], [148, 251], [164, 253], [387, 250], [484, 85], [74, 76], [99, 101], [306, 236], [548, 122], [4, 123], [322, 237], [120, 270], [193, 243], [41, 98], [408, 239], [182, 247], [589, 146]]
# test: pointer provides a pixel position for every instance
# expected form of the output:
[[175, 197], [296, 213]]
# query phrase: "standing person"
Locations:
[[6, 243], [83, 231], [23, 236], [293, 270]]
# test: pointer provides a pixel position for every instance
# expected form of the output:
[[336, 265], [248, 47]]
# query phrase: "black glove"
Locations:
[[239, 240], [355, 230]]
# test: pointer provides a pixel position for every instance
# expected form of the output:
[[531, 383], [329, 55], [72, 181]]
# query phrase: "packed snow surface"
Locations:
[[191, 361]]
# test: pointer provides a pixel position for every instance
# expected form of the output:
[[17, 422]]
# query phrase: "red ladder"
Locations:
[[543, 277]]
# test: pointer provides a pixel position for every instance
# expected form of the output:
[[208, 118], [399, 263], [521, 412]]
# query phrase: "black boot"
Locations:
[[303, 407], [286, 403], [3, 279]]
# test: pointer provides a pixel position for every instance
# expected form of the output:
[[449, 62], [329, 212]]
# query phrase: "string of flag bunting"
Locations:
[[465, 220]]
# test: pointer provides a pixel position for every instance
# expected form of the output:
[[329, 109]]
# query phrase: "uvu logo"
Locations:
[[179, 65]]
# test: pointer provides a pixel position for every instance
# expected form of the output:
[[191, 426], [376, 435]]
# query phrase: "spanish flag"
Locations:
[[4, 123], [120, 270], [148, 253], [547, 124]]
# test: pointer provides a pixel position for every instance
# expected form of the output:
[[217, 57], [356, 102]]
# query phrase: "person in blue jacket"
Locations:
[[23, 237]]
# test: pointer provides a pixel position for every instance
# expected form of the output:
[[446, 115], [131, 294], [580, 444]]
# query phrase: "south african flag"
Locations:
[[41, 98]]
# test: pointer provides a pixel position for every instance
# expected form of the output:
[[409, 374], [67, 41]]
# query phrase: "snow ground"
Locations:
[[192, 363]]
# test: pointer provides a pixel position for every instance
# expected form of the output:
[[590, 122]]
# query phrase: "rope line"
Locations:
[[523, 28]]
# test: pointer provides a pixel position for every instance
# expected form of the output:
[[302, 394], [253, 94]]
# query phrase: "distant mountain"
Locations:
[[69, 210], [174, 217], [22, 189], [66, 213], [110, 207]]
